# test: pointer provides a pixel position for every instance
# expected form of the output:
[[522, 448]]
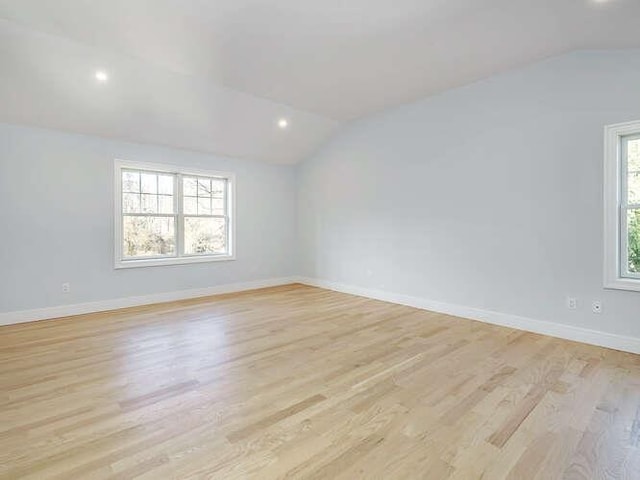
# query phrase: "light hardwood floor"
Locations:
[[299, 382]]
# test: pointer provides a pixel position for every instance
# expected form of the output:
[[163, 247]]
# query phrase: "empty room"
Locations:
[[339, 239]]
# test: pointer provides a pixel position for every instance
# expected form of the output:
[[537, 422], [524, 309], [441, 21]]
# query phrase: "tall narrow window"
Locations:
[[631, 205], [168, 215], [622, 206]]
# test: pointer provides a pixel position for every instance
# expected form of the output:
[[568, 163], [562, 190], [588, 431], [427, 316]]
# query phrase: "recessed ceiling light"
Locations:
[[102, 76], [283, 123]]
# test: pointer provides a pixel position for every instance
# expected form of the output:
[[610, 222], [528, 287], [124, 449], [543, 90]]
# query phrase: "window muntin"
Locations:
[[167, 215]]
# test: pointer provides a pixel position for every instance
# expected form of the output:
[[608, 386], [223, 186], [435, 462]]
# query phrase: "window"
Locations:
[[168, 215], [622, 206]]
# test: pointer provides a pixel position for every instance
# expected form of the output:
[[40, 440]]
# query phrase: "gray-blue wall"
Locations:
[[56, 198], [488, 196]]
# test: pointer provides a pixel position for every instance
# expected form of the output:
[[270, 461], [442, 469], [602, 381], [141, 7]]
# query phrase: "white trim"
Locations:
[[185, 260], [559, 330], [568, 332], [22, 316], [613, 241], [178, 258]]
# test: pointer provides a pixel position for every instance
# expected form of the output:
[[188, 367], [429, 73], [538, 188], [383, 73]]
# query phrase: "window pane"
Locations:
[[204, 236], [190, 206], [633, 170], [218, 188], [204, 206], [165, 184], [204, 187], [634, 188], [131, 202], [148, 236], [149, 182], [633, 153], [634, 240], [165, 203], [218, 206], [130, 182], [149, 203], [189, 186]]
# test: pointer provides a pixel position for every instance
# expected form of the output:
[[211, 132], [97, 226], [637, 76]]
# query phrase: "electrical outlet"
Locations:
[[596, 307], [572, 303], [66, 287]]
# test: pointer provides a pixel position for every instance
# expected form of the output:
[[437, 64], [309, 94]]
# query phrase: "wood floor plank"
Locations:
[[300, 382]]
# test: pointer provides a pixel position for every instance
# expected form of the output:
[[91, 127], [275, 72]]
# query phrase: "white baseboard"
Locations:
[[22, 316], [559, 330]]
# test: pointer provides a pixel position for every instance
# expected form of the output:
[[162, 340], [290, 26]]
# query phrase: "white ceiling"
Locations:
[[217, 75]]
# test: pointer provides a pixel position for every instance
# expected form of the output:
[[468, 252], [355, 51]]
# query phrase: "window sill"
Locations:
[[629, 284], [159, 262]]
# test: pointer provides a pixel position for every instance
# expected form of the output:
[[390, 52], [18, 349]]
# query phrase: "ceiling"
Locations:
[[217, 75]]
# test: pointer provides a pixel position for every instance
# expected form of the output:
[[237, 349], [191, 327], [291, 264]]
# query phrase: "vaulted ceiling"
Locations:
[[217, 75]]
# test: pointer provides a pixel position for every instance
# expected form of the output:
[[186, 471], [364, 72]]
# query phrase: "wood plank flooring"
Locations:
[[299, 382]]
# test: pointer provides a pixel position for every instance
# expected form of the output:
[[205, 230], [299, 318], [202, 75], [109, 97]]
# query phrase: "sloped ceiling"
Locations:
[[216, 76]]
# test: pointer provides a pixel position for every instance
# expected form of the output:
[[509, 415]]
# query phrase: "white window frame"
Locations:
[[616, 206], [179, 258]]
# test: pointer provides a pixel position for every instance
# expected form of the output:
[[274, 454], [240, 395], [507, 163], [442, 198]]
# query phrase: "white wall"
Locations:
[[56, 221], [488, 196]]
